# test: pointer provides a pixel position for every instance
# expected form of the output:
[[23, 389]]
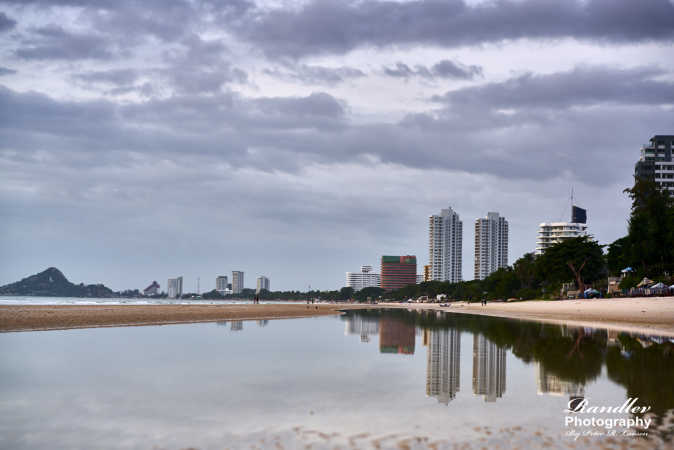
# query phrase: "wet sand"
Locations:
[[652, 315], [55, 317], [639, 315]]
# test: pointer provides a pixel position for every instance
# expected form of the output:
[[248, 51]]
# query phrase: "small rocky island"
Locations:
[[52, 283]]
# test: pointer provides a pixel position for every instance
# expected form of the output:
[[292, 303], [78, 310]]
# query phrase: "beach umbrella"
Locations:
[[627, 269], [645, 282]]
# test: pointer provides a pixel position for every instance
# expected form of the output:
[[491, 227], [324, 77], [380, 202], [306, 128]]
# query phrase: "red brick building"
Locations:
[[398, 271]]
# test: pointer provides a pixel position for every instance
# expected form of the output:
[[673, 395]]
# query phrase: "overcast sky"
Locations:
[[142, 140]]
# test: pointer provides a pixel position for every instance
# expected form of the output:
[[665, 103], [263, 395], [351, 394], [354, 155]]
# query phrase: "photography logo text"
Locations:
[[585, 419]]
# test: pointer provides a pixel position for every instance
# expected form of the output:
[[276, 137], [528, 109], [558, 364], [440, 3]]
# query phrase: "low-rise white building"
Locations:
[[364, 278], [551, 233]]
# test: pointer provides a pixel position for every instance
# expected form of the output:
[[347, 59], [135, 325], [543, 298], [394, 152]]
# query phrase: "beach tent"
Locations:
[[659, 286], [645, 282], [591, 293]]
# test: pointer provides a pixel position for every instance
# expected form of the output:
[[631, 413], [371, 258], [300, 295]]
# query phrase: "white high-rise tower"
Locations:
[[491, 244], [445, 235]]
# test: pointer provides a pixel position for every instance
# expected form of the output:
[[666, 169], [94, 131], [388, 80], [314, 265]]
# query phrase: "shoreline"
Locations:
[[642, 315], [654, 315]]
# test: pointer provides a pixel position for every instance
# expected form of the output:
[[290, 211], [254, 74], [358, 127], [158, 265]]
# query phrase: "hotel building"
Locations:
[[262, 283], [491, 244], [445, 234], [656, 162], [364, 278], [237, 282], [398, 271], [553, 233], [175, 287]]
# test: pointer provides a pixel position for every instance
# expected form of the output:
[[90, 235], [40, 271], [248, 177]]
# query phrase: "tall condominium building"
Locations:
[[262, 283], [445, 235], [364, 278], [221, 283], [237, 282], [489, 368], [656, 162], [491, 244], [551, 233], [175, 287], [398, 271], [444, 360]]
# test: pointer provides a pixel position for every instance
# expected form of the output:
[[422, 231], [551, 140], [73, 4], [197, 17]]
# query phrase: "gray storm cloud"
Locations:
[[233, 130]]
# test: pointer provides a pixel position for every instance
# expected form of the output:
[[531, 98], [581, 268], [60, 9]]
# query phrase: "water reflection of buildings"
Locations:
[[262, 323], [363, 326], [442, 370], [396, 336], [550, 384], [236, 325], [489, 368]]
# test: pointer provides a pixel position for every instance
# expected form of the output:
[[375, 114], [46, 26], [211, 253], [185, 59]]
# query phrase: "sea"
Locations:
[[29, 300], [372, 379]]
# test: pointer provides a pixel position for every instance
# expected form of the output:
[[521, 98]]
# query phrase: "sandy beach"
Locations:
[[640, 315], [652, 315], [55, 317]]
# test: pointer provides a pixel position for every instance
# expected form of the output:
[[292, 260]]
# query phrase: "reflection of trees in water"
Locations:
[[646, 372], [572, 354]]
